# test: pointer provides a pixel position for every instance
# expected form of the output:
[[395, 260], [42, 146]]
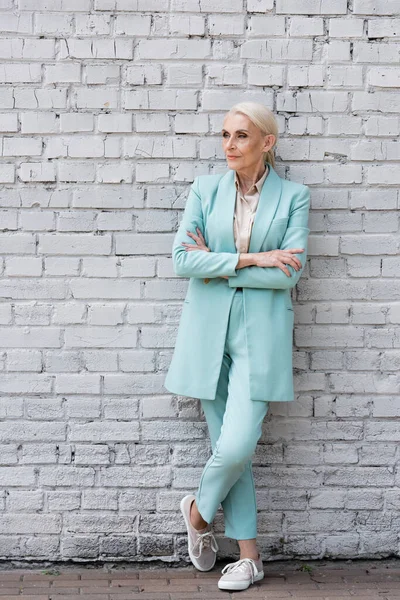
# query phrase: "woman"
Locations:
[[238, 243]]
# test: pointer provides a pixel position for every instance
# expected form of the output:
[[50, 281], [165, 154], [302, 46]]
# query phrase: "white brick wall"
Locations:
[[108, 110]]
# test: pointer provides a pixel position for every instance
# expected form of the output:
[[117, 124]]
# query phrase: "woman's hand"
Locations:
[[200, 242], [279, 258]]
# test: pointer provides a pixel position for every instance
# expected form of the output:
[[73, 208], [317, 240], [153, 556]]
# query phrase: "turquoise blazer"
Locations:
[[281, 221]]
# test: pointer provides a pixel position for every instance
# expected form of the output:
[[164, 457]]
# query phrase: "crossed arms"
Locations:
[[218, 264]]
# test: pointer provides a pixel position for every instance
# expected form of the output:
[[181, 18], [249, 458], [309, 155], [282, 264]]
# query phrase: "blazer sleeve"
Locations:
[[296, 236], [198, 263]]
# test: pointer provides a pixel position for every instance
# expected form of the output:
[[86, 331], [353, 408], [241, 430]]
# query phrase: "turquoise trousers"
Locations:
[[235, 426]]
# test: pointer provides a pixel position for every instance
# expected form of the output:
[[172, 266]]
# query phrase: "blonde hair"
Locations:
[[264, 119]]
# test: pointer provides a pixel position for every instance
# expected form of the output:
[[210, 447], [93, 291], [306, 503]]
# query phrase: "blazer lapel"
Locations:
[[225, 210]]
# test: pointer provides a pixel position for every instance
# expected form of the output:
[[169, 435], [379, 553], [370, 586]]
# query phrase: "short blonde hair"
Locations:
[[264, 119]]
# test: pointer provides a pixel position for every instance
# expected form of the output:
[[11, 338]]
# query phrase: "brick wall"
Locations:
[[108, 110]]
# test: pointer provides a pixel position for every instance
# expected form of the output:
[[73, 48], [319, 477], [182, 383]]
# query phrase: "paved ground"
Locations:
[[314, 580]]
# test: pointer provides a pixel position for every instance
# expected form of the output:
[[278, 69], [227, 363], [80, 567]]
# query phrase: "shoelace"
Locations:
[[204, 540], [240, 565]]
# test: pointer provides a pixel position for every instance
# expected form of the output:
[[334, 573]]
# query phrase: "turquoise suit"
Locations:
[[233, 349], [281, 221]]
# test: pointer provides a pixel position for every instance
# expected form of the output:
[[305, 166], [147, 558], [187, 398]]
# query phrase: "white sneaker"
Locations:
[[240, 574], [202, 545]]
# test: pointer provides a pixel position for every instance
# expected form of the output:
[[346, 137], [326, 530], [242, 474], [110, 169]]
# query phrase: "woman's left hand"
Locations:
[[200, 242]]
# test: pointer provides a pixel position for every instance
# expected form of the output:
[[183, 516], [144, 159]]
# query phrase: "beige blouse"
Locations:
[[245, 210]]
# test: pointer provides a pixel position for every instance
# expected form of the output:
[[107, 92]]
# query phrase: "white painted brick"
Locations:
[[75, 122], [43, 409], [186, 25], [344, 76], [100, 360], [151, 172], [135, 25], [40, 172], [56, 266], [370, 7], [100, 337], [115, 123], [67, 73], [374, 52], [383, 77], [16, 23], [305, 26], [99, 267], [69, 313], [138, 267], [127, 5], [32, 313], [277, 50], [62, 500], [266, 75], [76, 172], [105, 314], [20, 73], [259, 5], [137, 361], [108, 197], [8, 122], [83, 383], [348, 27], [226, 25], [31, 97], [17, 243], [267, 26], [20, 146], [24, 360], [317, 7], [101, 288], [160, 100], [107, 73], [76, 221], [182, 74], [112, 173], [8, 220], [97, 98], [53, 23], [191, 124], [378, 28], [207, 6], [74, 244], [92, 24], [108, 110], [5, 314], [7, 173], [88, 408], [34, 220], [23, 266]]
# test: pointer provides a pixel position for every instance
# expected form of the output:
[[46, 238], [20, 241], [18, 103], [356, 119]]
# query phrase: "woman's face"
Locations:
[[243, 142]]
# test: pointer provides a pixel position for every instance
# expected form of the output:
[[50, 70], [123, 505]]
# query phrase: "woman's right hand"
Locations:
[[279, 258]]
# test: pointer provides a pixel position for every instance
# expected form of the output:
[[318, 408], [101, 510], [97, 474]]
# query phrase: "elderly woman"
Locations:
[[242, 242]]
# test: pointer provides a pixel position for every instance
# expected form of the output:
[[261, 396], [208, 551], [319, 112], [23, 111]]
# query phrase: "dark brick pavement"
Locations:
[[313, 580]]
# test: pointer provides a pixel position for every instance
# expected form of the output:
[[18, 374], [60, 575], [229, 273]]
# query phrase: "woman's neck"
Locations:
[[247, 180]]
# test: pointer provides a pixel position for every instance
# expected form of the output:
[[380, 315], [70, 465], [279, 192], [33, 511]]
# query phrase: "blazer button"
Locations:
[[207, 280]]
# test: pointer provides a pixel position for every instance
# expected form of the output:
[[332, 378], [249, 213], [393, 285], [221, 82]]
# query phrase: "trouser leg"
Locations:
[[235, 425]]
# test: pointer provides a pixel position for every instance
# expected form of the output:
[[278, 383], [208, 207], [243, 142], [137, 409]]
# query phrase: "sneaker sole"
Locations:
[[239, 585], [192, 558]]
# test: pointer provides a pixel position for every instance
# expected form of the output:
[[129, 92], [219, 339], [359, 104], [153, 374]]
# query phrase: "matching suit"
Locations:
[[233, 349]]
